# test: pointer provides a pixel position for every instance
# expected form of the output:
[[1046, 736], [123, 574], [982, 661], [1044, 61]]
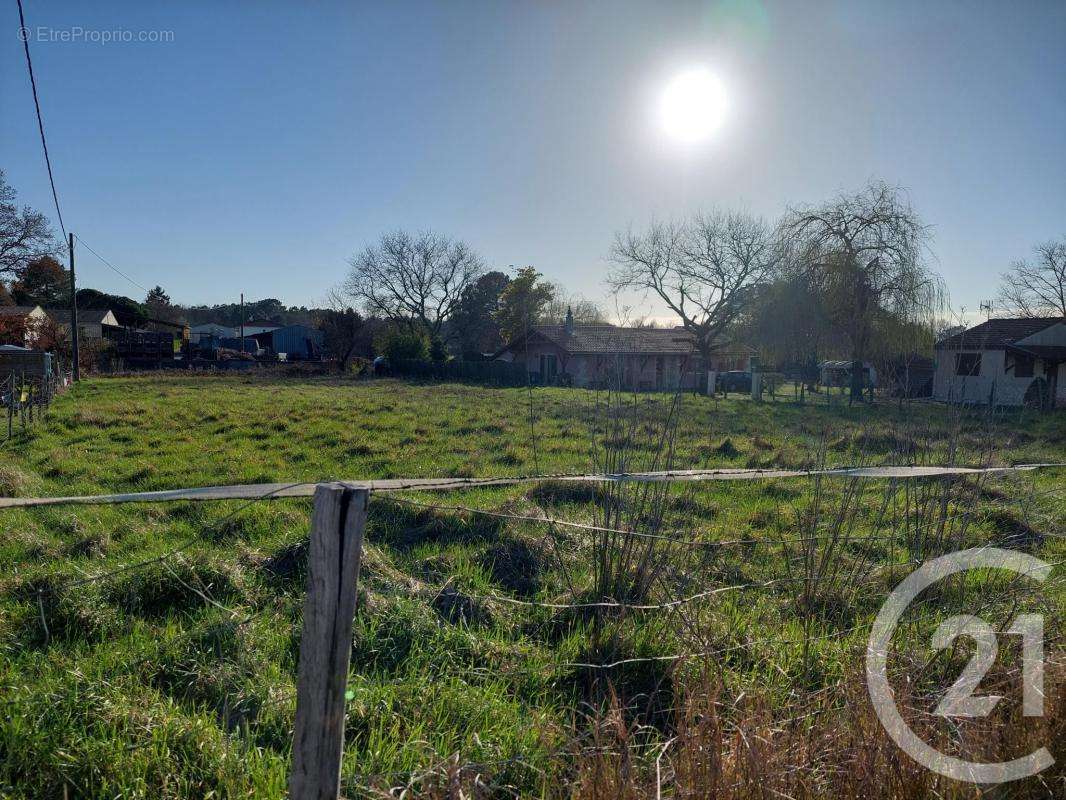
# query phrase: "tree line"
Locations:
[[846, 278]]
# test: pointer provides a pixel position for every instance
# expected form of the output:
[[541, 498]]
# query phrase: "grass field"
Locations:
[[175, 679]]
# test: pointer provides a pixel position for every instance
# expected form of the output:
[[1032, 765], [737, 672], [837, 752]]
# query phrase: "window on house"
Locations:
[[1023, 365], [968, 364]]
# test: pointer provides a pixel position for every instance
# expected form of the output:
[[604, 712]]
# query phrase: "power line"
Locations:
[[108, 263], [24, 34]]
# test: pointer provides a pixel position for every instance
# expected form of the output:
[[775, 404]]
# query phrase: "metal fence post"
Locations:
[[337, 525]]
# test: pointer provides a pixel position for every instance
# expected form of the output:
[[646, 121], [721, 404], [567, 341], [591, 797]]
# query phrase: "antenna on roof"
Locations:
[[988, 307]]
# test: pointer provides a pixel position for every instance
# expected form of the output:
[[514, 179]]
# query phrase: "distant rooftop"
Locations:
[[996, 334], [16, 311], [86, 316], [605, 338]]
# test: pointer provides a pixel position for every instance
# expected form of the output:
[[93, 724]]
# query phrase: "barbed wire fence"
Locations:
[[336, 545]]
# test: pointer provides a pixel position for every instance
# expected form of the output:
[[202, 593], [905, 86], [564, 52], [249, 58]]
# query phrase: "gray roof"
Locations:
[[609, 339], [86, 316], [16, 311], [996, 334]]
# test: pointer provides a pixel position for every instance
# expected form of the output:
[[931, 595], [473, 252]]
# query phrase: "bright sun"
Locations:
[[693, 106]]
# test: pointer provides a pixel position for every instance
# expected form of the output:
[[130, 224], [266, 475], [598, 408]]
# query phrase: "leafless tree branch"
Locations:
[[413, 279], [1037, 288]]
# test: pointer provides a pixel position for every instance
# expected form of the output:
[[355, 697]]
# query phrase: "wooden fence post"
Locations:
[[337, 525]]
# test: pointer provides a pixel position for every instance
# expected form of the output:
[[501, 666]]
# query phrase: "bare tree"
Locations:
[[413, 280], [24, 234], [704, 269], [865, 254], [1038, 288], [585, 312], [343, 330]]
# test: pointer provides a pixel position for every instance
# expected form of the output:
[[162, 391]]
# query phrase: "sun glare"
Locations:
[[693, 106]]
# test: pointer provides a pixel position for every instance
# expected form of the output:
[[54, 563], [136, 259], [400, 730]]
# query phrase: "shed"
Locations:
[[838, 373], [197, 332], [24, 361], [298, 342]]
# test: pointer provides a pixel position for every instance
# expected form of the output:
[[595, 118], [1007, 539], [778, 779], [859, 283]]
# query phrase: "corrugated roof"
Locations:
[[995, 334]]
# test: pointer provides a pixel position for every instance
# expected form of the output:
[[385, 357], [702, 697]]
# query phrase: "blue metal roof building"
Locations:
[[301, 342]]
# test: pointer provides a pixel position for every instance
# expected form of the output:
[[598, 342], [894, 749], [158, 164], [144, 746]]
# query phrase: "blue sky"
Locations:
[[268, 141]]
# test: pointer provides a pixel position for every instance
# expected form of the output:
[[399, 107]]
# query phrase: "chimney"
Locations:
[[569, 326]]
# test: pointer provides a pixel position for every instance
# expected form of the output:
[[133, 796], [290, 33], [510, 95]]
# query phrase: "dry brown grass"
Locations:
[[826, 744]]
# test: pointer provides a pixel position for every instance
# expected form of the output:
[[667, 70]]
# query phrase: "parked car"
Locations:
[[734, 381]]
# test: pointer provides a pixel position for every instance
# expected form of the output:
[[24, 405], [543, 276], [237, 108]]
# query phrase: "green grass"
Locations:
[[176, 679]]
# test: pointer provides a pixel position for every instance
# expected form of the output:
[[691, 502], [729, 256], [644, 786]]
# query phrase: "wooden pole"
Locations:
[[337, 525], [74, 313]]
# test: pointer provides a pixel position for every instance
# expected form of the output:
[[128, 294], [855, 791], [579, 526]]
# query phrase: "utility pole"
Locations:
[[242, 322], [74, 312]]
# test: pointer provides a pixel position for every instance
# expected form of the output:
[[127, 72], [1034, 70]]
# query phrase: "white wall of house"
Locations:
[[35, 321], [993, 384], [997, 381]]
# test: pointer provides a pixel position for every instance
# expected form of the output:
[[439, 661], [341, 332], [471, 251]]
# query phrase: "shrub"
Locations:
[[405, 345]]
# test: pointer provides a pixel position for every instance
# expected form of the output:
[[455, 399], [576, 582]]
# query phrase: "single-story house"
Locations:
[[603, 355], [91, 321], [22, 323], [1006, 362], [838, 373]]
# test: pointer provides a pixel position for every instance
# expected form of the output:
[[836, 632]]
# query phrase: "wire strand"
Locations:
[[24, 34], [109, 264]]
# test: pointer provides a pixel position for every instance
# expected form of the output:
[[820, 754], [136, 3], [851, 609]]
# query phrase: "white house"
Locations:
[[28, 320], [1008, 362], [606, 355]]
